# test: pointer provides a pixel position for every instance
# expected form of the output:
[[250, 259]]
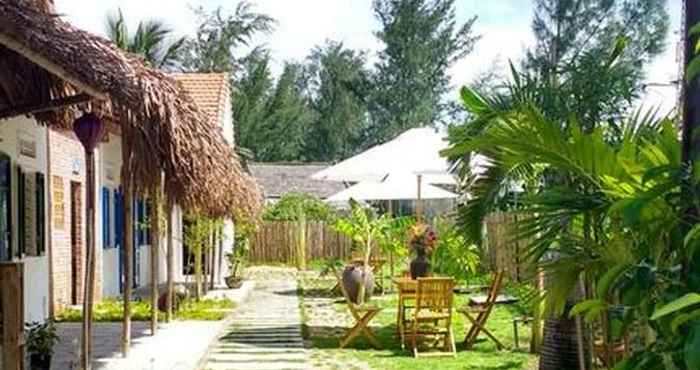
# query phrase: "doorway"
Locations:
[[76, 244]]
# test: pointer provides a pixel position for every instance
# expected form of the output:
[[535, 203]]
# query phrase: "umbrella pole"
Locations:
[[419, 201]]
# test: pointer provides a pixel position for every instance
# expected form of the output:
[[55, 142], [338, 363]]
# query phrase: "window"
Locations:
[[5, 207], [40, 188]]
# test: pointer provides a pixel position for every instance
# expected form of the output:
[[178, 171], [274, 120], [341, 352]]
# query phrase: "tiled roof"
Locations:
[[279, 179], [209, 90]]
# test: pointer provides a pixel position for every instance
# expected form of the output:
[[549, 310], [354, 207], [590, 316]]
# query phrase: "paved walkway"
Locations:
[[180, 345], [265, 333]]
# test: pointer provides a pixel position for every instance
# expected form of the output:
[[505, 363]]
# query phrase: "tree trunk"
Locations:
[[212, 265], [170, 264], [198, 272], [154, 219]]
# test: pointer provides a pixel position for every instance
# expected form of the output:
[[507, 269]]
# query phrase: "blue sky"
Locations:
[[503, 24]]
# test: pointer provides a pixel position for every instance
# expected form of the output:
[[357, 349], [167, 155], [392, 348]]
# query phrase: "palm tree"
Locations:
[[151, 41], [604, 208]]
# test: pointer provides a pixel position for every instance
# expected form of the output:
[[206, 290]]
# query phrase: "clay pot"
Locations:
[[353, 276], [233, 282]]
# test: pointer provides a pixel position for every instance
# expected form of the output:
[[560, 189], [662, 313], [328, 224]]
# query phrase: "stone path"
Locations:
[[265, 333]]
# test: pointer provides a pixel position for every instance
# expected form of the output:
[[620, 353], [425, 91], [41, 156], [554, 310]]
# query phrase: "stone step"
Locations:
[[263, 336], [260, 350], [261, 357], [261, 341], [258, 366], [236, 345]]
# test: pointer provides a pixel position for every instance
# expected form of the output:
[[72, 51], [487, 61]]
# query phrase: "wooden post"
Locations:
[[220, 241], [128, 241], [154, 219], [170, 264], [419, 201], [89, 286], [12, 315]]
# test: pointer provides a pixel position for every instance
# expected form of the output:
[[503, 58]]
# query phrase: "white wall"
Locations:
[[36, 276]]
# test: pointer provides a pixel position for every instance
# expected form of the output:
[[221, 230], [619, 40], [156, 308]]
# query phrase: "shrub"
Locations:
[[293, 205]]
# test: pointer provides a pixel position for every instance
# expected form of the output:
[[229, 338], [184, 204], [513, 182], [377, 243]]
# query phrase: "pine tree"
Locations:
[[422, 39]]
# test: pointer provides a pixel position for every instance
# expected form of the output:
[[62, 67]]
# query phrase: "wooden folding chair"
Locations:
[[362, 314], [432, 315], [482, 311]]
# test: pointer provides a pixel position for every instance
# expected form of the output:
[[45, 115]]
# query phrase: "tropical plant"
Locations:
[[612, 220], [365, 228], [151, 41], [453, 256], [199, 240], [41, 337]]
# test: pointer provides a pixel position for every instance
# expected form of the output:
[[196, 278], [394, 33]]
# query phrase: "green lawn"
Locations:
[[483, 356], [111, 310]]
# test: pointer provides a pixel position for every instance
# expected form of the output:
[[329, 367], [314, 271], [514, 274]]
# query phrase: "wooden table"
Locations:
[[407, 292]]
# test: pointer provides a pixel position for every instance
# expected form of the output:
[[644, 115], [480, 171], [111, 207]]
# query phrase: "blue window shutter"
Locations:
[[117, 219], [105, 218]]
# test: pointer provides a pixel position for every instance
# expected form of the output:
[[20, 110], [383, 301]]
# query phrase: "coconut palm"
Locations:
[[607, 209], [151, 41]]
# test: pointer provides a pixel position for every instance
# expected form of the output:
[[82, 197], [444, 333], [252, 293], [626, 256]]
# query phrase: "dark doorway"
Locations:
[[76, 244]]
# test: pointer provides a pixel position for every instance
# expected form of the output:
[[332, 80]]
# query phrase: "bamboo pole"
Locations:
[[170, 266], [154, 220]]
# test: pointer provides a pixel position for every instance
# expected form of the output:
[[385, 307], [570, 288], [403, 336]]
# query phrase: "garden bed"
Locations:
[[112, 310]]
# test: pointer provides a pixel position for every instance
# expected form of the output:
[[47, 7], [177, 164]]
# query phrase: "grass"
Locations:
[[483, 356], [112, 310]]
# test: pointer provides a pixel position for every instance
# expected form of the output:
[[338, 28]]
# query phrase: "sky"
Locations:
[[504, 27]]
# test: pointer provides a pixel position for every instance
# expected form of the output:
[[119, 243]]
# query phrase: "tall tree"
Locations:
[[422, 39], [332, 72], [253, 88], [573, 37], [152, 40], [273, 119], [215, 44]]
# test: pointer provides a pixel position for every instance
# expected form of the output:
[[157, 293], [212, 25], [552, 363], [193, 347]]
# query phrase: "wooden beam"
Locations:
[[45, 106], [49, 66]]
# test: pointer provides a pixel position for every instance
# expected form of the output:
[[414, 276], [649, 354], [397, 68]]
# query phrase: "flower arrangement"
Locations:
[[422, 239]]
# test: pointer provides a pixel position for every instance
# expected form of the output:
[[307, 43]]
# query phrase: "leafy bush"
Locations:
[[293, 205]]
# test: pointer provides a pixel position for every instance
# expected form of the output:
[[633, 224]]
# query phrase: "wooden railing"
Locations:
[[278, 242]]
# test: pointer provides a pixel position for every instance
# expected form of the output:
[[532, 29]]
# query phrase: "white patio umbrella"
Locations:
[[415, 152], [393, 188]]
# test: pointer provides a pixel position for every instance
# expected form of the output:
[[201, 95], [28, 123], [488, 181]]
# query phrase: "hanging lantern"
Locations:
[[89, 130]]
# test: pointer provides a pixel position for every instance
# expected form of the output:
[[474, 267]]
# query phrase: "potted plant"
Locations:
[[41, 338], [365, 228], [422, 241], [237, 260]]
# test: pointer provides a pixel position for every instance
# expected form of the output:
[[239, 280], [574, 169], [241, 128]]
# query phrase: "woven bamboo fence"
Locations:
[[278, 242], [504, 252]]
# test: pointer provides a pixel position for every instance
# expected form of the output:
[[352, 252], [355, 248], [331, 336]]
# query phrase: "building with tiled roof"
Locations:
[[212, 93], [278, 179]]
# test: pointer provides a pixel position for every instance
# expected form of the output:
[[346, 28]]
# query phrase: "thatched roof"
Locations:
[[44, 59]]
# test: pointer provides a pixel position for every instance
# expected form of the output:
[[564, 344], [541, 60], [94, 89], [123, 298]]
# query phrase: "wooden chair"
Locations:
[[432, 315], [482, 312], [362, 314]]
